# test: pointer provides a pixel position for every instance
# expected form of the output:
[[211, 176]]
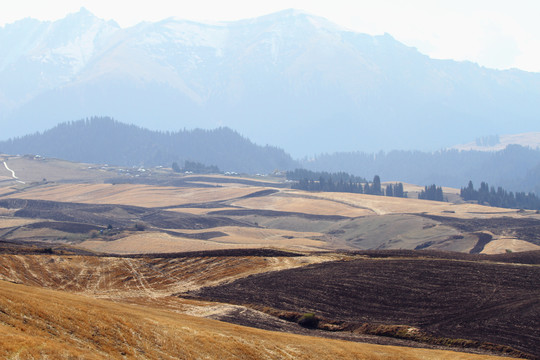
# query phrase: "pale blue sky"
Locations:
[[498, 34]]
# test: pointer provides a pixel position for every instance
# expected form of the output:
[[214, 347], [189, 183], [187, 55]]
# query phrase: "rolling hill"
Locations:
[[41, 323], [178, 212], [95, 268], [106, 141]]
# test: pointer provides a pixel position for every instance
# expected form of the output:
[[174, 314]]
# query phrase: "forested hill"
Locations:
[[515, 168], [104, 140]]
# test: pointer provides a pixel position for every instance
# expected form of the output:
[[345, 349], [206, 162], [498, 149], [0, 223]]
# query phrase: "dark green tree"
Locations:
[[367, 189], [398, 190], [376, 187], [432, 192]]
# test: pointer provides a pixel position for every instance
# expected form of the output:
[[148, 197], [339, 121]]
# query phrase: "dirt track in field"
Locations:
[[121, 277]]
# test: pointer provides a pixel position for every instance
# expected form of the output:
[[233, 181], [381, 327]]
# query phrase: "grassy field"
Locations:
[[75, 237], [38, 324], [283, 218]]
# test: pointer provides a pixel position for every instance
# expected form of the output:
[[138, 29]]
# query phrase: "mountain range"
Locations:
[[288, 79]]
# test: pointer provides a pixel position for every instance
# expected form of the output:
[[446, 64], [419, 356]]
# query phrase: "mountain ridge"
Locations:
[[106, 141], [290, 79]]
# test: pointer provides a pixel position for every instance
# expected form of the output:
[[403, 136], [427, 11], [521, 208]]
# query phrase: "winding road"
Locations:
[[13, 174]]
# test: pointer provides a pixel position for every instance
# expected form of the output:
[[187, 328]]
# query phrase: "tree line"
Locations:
[[515, 168], [341, 182], [195, 167], [432, 192], [486, 195]]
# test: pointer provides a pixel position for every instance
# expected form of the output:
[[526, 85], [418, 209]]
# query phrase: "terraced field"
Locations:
[[80, 244]]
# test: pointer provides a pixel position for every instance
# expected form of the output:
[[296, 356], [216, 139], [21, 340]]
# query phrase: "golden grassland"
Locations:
[[136, 195], [39, 324], [293, 233], [77, 318], [8, 221], [382, 205], [35, 169], [507, 243], [418, 188], [32, 169], [7, 188], [299, 234], [226, 178], [301, 203], [345, 204], [236, 237], [120, 278]]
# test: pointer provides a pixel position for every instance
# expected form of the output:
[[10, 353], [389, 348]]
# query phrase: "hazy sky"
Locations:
[[494, 33]]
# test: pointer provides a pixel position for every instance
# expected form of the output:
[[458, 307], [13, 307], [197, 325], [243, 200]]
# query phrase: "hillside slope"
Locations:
[[475, 300], [38, 323], [106, 141], [515, 167]]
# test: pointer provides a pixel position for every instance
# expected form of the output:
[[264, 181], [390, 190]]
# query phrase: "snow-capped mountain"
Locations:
[[42, 56], [288, 79]]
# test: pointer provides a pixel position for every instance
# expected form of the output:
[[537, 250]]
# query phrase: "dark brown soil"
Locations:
[[218, 253], [221, 203], [456, 299], [527, 229], [199, 236], [525, 257], [39, 248], [69, 227], [273, 213], [193, 181], [119, 216]]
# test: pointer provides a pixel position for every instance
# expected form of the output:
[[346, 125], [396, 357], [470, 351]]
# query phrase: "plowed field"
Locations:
[[483, 301]]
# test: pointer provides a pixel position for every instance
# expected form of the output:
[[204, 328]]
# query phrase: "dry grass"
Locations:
[[213, 179], [199, 211], [503, 244], [345, 204], [237, 237], [137, 195], [120, 278], [6, 221], [6, 188], [39, 324], [382, 205], [302, 205], [30, 169]]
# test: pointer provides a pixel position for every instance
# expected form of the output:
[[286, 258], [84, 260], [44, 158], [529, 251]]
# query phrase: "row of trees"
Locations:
[[487, 195], [195, 167], [515, 168], [342, 182], [431, 192], [303, 174]]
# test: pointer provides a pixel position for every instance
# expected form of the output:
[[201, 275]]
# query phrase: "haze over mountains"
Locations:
[[104, 140], [288, 79]]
